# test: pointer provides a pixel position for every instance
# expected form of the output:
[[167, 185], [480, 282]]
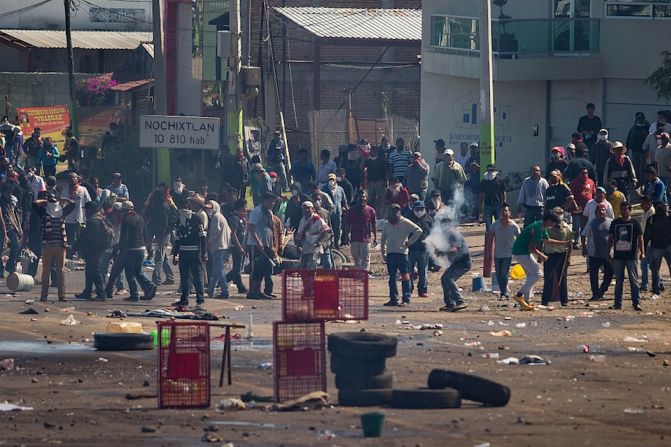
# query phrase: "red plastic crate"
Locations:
[[300, 359], [324, 295], [183, 364]]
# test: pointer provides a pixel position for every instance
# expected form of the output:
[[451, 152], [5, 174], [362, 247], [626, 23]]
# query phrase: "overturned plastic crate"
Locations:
[[300, 359], [183, 364], [324, 295]]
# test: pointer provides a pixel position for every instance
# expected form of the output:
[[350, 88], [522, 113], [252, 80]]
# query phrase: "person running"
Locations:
[[527, 253], [558, 260], [504, 232], [594, 238], [626, 241], [132, 246], [418, 256], [398, 234], [459, 257]]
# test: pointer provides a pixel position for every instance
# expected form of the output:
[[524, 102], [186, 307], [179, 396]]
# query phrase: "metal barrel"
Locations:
[[19, 282]]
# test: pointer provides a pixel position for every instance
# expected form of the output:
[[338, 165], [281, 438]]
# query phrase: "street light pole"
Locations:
[[74, 124], [234, 103], [487, 151]]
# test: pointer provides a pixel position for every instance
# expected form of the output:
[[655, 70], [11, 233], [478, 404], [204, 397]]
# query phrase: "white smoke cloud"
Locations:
[[442, 234]]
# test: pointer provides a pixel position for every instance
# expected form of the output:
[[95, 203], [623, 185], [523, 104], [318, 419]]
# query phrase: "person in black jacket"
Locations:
[[635, 139], [294, 211], [418, 256], [132, 250], [94, 239], [190, 247], [158, 214]]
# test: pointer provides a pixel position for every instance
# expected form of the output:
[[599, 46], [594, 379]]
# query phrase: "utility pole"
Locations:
[[74, 124], [234, 103], [161, 157], [487, 154]]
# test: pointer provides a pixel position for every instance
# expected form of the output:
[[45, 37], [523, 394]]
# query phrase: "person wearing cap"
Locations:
[[620, 168], [96, 237], [533, 194], [180, 193], [635, 139], [51, 208], [326, 167], [594, 240], [503, 233], [657, 241], [407, 210], [418, 255], [259, 240], [452, 178], [558, 260], [189, 251], [557, 160], [396, 194], [583, 189], [626, 241], [359, 230], [599, 198], [277, 159], [261, 183], [132, 246], [339, 199], [376, 171], [311, 235], [474, 149], [464, 154], [118, 188], [663, 159], [588, 125], [11, 231], [600, 152], [76, 219], [493, 195], [398, 234], [577, 164], [417, 176], [49, 156]]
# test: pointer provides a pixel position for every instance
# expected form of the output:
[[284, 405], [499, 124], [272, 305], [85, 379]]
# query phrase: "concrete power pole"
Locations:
[[234, 102], [74, 122], [161, 157], [487, 141]]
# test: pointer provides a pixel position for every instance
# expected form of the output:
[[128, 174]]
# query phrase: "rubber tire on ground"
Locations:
[[350, 382], [426, 398], [362, 345], [123, 342], [357, 367], [471, 387], [364, 398]]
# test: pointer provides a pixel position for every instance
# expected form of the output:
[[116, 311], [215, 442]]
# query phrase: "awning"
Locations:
[[349, 23], [87, 40]]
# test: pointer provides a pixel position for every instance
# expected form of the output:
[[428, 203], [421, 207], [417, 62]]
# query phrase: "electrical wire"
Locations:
[[19, 12]]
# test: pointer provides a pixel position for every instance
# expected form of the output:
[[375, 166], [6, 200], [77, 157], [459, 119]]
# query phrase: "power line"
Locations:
[[19, 12]]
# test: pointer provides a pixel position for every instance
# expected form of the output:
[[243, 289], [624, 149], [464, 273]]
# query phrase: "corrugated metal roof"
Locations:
[[130, 85], [90, 40], [348, 23]]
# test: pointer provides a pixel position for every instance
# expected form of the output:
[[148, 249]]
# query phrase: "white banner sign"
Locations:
[[179, 132]]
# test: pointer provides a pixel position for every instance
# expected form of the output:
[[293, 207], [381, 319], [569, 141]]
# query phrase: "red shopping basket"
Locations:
[[183, 364], [324, 295], [300, 359]]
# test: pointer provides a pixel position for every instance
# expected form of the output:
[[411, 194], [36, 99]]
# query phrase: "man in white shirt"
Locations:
[[35, 182], [76, 219], [599, 198]]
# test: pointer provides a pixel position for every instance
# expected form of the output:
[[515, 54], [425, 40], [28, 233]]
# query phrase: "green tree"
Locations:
[[660, 79]]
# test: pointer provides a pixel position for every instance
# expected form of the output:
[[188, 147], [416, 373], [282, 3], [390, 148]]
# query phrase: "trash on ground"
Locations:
[[569, 318], [425, 327], [520, 325], [29, 311], [484, 308], [437, 333], [68, 309], [584, 348], [634, 349], [597, 358], [325, 435], [7, 364], [642, 339], [630, 410], [70, 321], [503, 333], [136, 396], [265, 365], [491, 355], [311, 401], [102, 360], [231, 403], [509, 361], [605, 324], [253, 397], [12, 407], [29, 302], [472, 344], [533, 360]]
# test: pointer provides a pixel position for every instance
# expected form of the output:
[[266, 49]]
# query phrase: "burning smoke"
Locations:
[[442, 235]]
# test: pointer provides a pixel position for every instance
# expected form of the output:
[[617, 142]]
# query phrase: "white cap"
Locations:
[[308, 203], [448, 152]]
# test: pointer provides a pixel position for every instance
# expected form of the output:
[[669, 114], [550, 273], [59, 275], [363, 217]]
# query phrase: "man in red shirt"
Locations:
[[396, 194], [359, 228], [583, 190]]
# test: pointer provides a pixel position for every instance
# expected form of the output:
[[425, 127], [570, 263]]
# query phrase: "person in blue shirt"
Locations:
[[49, 157], [119, 189], [654, 188]]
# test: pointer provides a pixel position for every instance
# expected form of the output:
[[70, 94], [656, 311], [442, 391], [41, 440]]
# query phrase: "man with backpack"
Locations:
[[93, 241]]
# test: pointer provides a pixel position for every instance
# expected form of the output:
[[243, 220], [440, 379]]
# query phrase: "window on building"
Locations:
[[659, 9], [455, 32]]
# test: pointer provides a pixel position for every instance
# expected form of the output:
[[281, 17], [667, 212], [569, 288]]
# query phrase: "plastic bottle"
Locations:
[[250, 328]]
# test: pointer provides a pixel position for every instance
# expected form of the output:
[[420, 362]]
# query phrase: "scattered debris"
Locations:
[[509, 361], [425, 327], [102, 360], [651, 354], [597, 358], [252, 397], [665, 363], [312, 401], [472, 344], [29, 301], [29, 311], [630, 410], [231, 403], [266, 365], [70, 321], [149, 429], [12, 407], [484, 308], [7, 364], [491, 355], [135, 396], [605, 324], [503, 333], [210, 437], [642, 339], [533, 360], [68, 309]]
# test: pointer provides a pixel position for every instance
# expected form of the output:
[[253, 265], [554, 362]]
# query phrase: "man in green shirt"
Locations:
[[527, 253], [559, 258]]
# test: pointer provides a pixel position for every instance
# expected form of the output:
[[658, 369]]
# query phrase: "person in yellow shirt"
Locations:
[[614, 197]]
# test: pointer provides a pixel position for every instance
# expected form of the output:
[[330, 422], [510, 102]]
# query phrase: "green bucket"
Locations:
[[165, 336], [372, 424]]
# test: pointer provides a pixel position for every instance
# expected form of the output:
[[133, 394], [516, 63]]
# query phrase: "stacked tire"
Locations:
[[358, 360]]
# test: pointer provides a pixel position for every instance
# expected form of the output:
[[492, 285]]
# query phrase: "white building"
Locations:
[[551, 57], [102, 15]]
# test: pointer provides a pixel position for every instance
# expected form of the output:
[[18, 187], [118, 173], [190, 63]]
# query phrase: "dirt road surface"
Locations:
[[618, 394]]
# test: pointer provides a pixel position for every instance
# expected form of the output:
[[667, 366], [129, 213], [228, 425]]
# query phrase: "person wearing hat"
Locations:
[[418, 256], [577, 164], [96, 237], [119, 189], [312, 233], [557, 160], [620, 169], [339, 199], [663, 159], [189, 251], [277, 159], [76, 219], [558, 260], [635, 139], [493, 195], [599, 153], [396, 194], [259, 240], [398, 234], [452, 177], [132, 246], [51, 208], [407, 210], [179, 193], [49, 156], [599, 198], [594, 239], [588, 125], [261, 183], [417, 176], [359, 229]]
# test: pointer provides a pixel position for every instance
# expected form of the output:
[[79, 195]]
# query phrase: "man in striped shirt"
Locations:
[[399, 160]]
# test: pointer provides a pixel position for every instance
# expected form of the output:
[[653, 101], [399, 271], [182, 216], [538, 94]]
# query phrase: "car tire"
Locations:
[[357, 367], [362, 345], [364, 398], [471, 387], [123, 342], [426, 398], [349, 382]]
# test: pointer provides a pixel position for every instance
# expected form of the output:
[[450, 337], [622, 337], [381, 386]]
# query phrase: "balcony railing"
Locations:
[[518, 37]]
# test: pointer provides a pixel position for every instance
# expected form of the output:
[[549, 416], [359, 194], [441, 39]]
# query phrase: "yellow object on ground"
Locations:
[[125, 327], [517, 272]]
